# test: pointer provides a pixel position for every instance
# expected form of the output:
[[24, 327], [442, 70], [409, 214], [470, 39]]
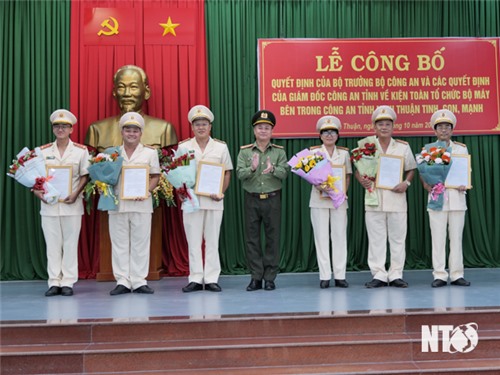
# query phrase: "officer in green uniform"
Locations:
[[261, 167]]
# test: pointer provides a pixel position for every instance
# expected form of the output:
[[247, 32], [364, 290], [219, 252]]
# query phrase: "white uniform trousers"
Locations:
[[198, 225], [455, 221], [61, 238], [330, 224], [380, 226], [130, 234]]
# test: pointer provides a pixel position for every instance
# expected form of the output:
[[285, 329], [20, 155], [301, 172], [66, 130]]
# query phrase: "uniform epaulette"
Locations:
[[314, 147], [277, 146], [45, 146], [80, 145], [342, 148], [151, 147], [460, 144], [246, 146], [218, 140], [400, 141], [181, 142]]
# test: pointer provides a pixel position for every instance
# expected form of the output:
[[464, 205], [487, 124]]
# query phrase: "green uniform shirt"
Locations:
[[256, 182]]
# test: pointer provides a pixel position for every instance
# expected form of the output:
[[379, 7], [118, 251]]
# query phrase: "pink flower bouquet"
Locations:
[[314, 167]]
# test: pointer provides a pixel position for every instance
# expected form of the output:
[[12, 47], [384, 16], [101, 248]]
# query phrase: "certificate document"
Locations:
[[338, 172], [390, 171], [209, 178], [459, 173], [61, 179], [134, 182]]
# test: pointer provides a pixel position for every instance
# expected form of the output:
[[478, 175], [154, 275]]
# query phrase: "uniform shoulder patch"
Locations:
[[151, 147], [400, 141], [246, 146], [460, 144], [181, 142], [342, 148], [45, 146], [218, 140], [314, 147], [277, 146], [83, 147]]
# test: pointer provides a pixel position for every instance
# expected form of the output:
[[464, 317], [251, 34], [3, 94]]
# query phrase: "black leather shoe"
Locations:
[[192, 287], [254, 285], [213, 287], [375, 283], [323, 284], [119, 289], [53, 291], [438, 283], [341, 283], [269, 285], [66, 291], [144, 289], [399, 283], [460, 282]]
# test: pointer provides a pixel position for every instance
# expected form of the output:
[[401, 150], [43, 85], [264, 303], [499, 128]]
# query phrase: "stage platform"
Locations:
[[297, 293], [296, 329]]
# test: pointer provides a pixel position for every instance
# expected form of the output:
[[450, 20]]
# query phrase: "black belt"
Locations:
[[264, 195]]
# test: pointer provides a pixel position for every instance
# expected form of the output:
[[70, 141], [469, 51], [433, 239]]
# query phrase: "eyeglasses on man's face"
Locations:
[[61, 126], [329, 132]]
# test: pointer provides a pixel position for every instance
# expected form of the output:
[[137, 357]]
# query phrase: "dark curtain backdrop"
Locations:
[[35, 80], [233, 28]]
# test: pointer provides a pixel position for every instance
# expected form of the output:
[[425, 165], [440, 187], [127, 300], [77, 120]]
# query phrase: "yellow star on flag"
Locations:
[[169, 27]]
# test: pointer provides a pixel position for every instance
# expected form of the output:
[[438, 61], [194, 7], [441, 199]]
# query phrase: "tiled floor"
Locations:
[[295, 293]]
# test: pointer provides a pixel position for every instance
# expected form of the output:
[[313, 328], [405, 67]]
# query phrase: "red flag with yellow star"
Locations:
[[169, 26]]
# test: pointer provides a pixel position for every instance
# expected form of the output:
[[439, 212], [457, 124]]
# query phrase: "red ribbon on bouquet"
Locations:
[[40, 183], [372, 179], [183, 192]]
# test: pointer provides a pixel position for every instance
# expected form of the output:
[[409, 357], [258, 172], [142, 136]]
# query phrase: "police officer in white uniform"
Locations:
[[130, 224], [61, 222], [329, 222], [452, 215], [205, 223], [388, 220]]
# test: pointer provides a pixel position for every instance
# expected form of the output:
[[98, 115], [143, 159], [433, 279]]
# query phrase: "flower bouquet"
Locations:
[[181, 173], [29, 170], [314, 167], [104, 171], [164, 190], [365, 158], [434, 163]]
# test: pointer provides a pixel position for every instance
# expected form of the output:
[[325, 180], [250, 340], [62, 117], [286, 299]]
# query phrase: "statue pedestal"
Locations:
[[105, 266]]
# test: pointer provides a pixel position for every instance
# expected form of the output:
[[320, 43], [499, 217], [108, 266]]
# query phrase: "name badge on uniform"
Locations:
[[50, 157]]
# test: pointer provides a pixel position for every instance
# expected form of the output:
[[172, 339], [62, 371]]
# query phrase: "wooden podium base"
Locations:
[[105, 266]]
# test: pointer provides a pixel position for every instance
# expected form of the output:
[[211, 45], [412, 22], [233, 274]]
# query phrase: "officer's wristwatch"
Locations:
[[408, 183]]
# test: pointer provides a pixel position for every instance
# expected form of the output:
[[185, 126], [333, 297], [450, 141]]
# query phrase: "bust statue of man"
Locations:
[[130, 89]]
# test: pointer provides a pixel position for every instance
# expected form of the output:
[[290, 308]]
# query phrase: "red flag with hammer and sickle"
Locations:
[[109, 26]]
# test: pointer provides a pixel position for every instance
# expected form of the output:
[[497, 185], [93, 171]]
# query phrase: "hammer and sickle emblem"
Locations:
[[112, 29]]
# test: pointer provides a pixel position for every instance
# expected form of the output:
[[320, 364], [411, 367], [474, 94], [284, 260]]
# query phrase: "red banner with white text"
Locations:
[[301, 80]]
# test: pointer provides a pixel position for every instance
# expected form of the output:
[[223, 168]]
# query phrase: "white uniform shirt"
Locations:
[[77, 157], [143, 155], [389, 201], [216, 152], [454, 200], [340, 156]]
